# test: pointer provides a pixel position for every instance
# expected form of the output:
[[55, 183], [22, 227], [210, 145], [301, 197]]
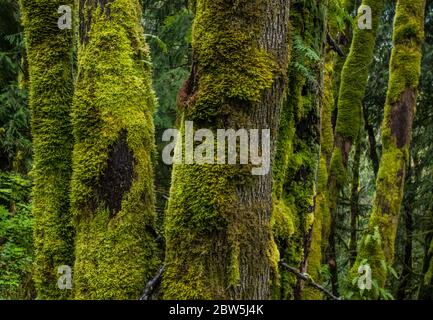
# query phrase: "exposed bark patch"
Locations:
[[189, 89], [118, 175], [345, 145], [402, 118]]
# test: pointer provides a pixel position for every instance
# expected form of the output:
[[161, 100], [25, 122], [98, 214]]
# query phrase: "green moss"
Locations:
[[389, 195], [232, 64], [321, 223], [355, 74], [282, 219], [49, 52], [208, 234], [315, 256], [327, 134], [113, 104], [337, 168]]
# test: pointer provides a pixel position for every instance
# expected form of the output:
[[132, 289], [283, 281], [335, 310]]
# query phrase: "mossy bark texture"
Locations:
[[298, 148], [112, 194], [49, 52], [218, 223], [377, 247], [320, 232]]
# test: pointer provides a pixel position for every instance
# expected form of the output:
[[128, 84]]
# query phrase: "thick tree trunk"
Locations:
[[50, 66], [112, 182], [218, 224], [377, 247]]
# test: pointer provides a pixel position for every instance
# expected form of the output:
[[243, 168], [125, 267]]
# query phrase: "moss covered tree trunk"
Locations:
[[353, 82], [352, 90], [112, 182], [354, 78], [298, 152], [50, 65], [218, 223], [377, 247], [322, 217]]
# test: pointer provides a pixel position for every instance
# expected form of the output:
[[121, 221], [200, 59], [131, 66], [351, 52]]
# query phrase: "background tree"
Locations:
[[377, 247], [354, 76], [167, 25], [298, 148]]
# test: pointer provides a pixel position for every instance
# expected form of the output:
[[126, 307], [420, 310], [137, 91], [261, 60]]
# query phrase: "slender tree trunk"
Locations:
[[335, 66], [354, 203], [371, 142], [353, 82], [377, 247], [354, 78], [298, 151], [322, 219], [426, 286], [50, 65], [112, 182], [425, 291], [218, 224]]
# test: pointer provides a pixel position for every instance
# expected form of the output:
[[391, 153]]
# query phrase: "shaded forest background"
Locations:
[[168, 31]]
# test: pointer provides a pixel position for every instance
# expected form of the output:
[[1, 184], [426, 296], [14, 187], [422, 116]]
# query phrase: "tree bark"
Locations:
[[218, 223]]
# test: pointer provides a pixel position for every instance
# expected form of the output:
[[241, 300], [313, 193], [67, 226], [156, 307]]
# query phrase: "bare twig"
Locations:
[[152, 284], [308, 280], [334, 46]]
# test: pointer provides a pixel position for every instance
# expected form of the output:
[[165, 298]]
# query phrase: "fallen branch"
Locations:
[[308, 280], [152, 284]]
